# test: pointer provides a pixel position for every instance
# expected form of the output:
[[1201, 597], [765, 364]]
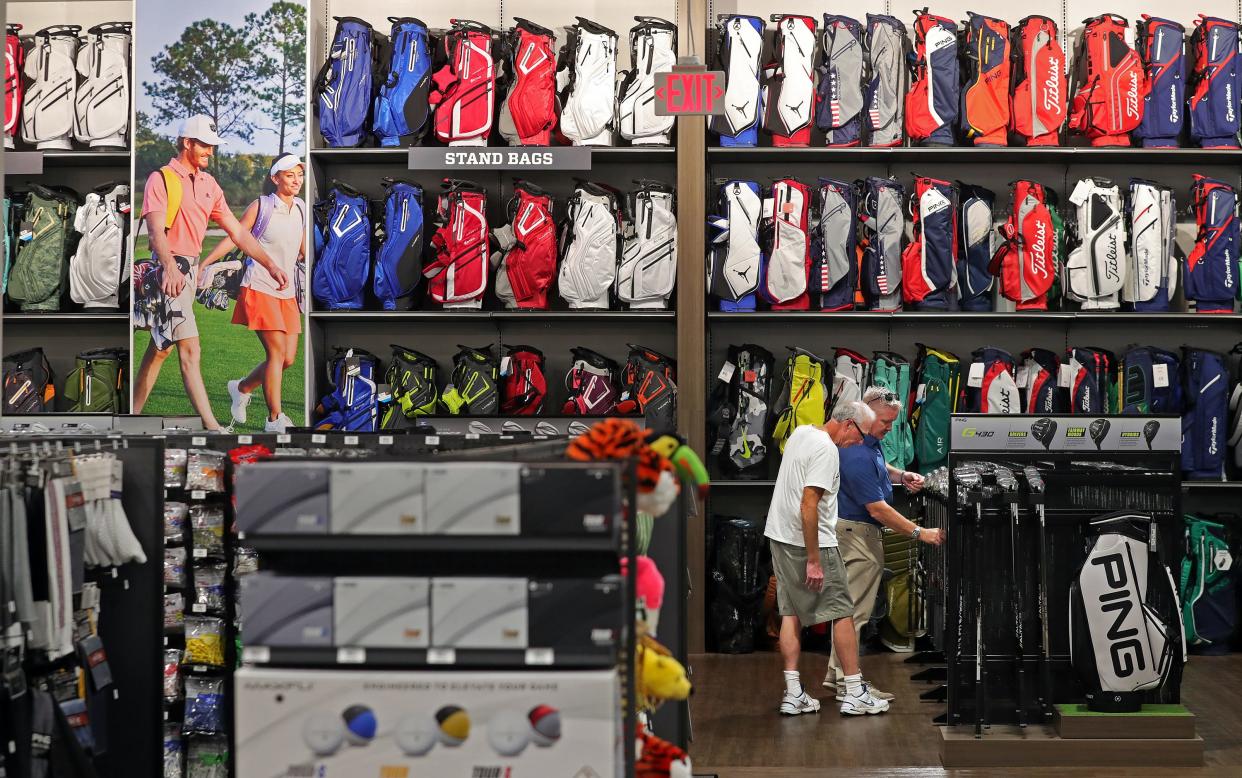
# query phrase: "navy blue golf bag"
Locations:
[[1037, 378], [838, 110], [1212, 267], [1160, 44], [345, 84], [974, 247], [1205, 414], [352, 403], [399, 259], [882, 223], [1150, 382], [401, 108], [935, 81], [737, 261], [834, 255], [928, 266], [1208, 586], [741, 45], [991, 383], [1215, 83], [1091, 381], [343, 265]]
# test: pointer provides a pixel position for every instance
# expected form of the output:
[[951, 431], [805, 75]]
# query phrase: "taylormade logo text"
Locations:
[[1212, 439], [1052, 85], [1229, 112], [1173, 112]]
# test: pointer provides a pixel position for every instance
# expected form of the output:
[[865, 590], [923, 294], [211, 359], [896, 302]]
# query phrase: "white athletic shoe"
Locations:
[[879, 695], [240, 401], [860, 704], [281, 424], [803, 703]]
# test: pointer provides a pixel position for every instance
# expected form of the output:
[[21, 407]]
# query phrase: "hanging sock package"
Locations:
[[741, 46], [935, 89], [790, 89]]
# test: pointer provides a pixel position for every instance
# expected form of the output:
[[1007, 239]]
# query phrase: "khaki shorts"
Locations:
[[185, 326], [830, 603]]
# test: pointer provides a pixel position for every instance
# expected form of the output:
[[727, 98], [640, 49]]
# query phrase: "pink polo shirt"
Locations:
[[201, 199]]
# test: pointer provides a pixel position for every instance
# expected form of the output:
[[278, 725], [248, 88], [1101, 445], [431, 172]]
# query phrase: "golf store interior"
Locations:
[[571, 278]]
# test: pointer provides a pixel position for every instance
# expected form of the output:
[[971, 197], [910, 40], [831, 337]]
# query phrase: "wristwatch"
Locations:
[[917, 531]]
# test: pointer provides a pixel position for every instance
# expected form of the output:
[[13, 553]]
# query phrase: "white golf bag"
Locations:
[[586, 81], [589, 247], [735, 261], [790, 97], [653, 49], [1151, 278], [741, 45], [102, 105], [1096, 269], [48, 109], [648, 268], [99, 266]]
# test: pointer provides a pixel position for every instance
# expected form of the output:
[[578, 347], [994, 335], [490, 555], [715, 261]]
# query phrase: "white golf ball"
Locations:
[[416, 735], [323, 733], [508, 732]]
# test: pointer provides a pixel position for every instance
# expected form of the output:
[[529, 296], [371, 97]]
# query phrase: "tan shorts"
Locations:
[[184, 326], [830, 603]]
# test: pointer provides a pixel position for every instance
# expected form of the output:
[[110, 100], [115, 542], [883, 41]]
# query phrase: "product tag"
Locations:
[[540, 656], [351, 656], [433, 440], [200, 553], [198, 494], [975, 378], [1066, 378], [441, 656], [351, 440], [318, 438], [1222, 560], [245, 440], [198, 440], [1160, 376], [385, 440], [284, 438], [506, 365], [726, 372], [920, 393], [258, 655], [769, 206], [1082, 190], [1024, 375]]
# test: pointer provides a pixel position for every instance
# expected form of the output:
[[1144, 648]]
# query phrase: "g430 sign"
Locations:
[[690, 93]]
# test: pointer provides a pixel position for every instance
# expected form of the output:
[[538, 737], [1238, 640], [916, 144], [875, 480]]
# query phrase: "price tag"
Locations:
[[284, 438], [200, 553], [441, 656], [245, 440], [351, 656], [472, 436], [198, 607], [1160, 376], [727, 371], [259, 655], [385, 440], [433, 440], [317, 438], [976, 375], [198, 440], [199, 668], [1024, 375], [1066, 377], [241, 535], [351, 440], [540, 656], [11, 742], [198, 494]]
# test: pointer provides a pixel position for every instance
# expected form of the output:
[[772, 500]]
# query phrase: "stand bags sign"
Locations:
[[500, 158], [692, 93]]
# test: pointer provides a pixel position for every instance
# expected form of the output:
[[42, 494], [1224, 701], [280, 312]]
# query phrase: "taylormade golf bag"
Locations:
[[1096, 268], [590, 246], [1215, 83], [526, 261], [1150, 382], [1091, 376], [850, 372], [882, 219], [892, 371], [458, 274], [935, 88], [974, 247], [741, 44], [1211, 269], [102, 102], [790, 89], [401, 107], [100, 266], [653, 49], [528, 113], [839, 103], [992, 383], [414, 384], [648, 267], [14, 83], [928, 269], [399, 258], [585, 80], [591, 383], [1037, 377], [463, 90], [743, 409], [1235, 404], [886, 47], [1160, 44], [344, 85], [1026, 262], [1151, 277], [787, 272], [1208, 586], [1038, 77], [351, 404], [1108, 103], [937, 382], [51, 92], [1205, 414], [834, 267], [802, 397], [343, 265], [736, 261], [985, 112], [523, 385], [649, 388], [473, 388]]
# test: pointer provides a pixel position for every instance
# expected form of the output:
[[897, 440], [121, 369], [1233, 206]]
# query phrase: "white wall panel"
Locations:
[[35, 16]]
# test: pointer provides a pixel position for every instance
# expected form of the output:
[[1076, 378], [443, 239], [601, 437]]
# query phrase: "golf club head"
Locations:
[[1150, 430], [1034, 481], [1005, 479], [1044, 430], [1098, 431]]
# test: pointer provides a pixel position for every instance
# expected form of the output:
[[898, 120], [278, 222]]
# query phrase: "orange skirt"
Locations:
[[259, 311]]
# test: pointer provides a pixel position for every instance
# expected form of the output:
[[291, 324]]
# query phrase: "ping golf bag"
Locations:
[[1205, 414], [790, 91], [414, 384], [101, 109], [37, 276], [526, 261], [739, 580], [1122, 640], [343, 264], [463, 89], [1149, 382], [399, 258], [1026, 261], [892, 371], [834, 266], [803, 395], [1160, 44], [839, 101], [648, 267], [1151, 277], [14, 83], [741, 45], [401, 107], [935, 84], [928, 267], [458, 274], [653, 49], [590, 246], [991, 383], [786, 275], [985, 111], [352, 402], [741, 411], [882, 218], [1038, 78], [850, 372], [1108, 103], [29, 386], [974, 247], [1089, 378], [100, 266], [1211, 269], [586, 81], [51, 93], [933, 401], [523, 385], [649, 388], [736, 260], [1215, 83], [344, 86], [591, 383], [473, 388], [1096, 268], [1208, 586], [884, 99], [1038, 376], [528, 113]]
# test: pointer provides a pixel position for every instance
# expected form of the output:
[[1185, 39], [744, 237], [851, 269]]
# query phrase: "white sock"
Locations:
[[793, 686], [853, 684]]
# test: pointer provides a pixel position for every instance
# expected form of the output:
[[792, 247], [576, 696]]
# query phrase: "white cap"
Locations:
[[201, 128], [286, 161]]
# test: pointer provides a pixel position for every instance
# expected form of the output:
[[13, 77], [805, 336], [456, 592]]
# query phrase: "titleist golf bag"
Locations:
[[457, 275], [399, 258], [401, 107], [834, 266], [101, 109], [1205, 414], [741, 45], [790, 89], [528, 113], [1215, 83], [1151, 277], [51, 93], [1038, 77], [649, 388], [839, 101], [1150, 382], [591, 383], [984, 116], [1037, 379], [786, 275], [526, 260], [1089, 378], [974, 247], [881, 217], [742, 406], [892, 372], [653, 49], [1096, 268], [991, 383], [351, 404], [473, 388], [1211, 280], [345, 84], [586, 79], [414, 384], [1026, 261], [100, 266], [523, 385], [590, 246], [14, 83], [928, 269], [1108, 103], [850, 373], [935, 84], [736, 261], [933, 401], [647, 271], [803, 395], [343, 263], [1160, 44], [884, 99], [1208, 586], [464, 87]]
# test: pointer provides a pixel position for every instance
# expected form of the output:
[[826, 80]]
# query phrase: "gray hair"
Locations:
[[856, 412], [886, 397]]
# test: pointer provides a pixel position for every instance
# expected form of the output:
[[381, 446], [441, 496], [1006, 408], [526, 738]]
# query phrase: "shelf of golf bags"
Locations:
[[581, 315], [992, 316], [406, 658], [78, 316], [435, 544], [399, 155], [32, 163], [770, 482], [1064, 154]]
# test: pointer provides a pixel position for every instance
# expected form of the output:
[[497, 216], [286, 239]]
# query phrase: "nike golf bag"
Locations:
[[1151, 277], [523, 385], [790, 90], [399, 258], [1096, 268], [834, 253], [414, 385], [736, 261], [985, 111], [100, 266], [1090, 381], [51, 93], [648, 267], [882, 222], [1160, 44], [802, 397], [463, 89], [1211, 269], [591, 383], [1026, 262], [1038, 379], [741, 45], [590, 247], [14, 81], [991, 383], [473, 388], [1108, 103], [649, 388], [739, 580], [458, 274], [850, 373], [401, 107], [892, 372], [528, 113], [1215, 83], [839, 99], [1205, 414], [526, 261], [343, 265], [653, 49], [351, 404], [344, 86], [1150, 382], [933, 401], [928, 269], [101, 109], [586, 81], [1208, 589], [884, 98], [935, 84], [1038, 77], [742, 411], [787, 273], [974, 247]]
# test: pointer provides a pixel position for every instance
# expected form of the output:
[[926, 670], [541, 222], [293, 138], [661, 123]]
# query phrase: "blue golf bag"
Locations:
[[343, 264], [974, 247], [1150, 382], [1215, 83], [353, 402], [741, 44], [1205, 415], [1211, 276], [344, 85], [842, 73], [399, 259], [401, 107], [1160, 45], [834, 254]]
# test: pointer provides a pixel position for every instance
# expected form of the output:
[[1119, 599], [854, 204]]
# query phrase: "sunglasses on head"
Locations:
[[888, 398]]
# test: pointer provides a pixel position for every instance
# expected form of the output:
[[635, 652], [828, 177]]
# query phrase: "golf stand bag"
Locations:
[[1211, 279], [351, 404], [648, 268], [991, 383], [48, 114], [884, 99], [591, 384], [834, 252], [933, 400], [473, 388], [1108, 103], [1151, 277], [458, 274], [401, 107], [1215, 83], [528, 113], [344, 86], [590, 246], [399, 258], [1208, 586], [585, 79], [786, 275], [102, 102], [100, 266], [1037, 377], [343, 255], [1161, 44], [463, 89], [892, 372], [984, 116], [1096, 268], [523, 384], [1038, 77], [414, 387], [1205, 414], [802, 396], [1089, 378], [839, 101], [973, 247], [653, 49], [14, 81], [741, 410], [1026, 263], [736, 261], [526, 260], [935, 85], [739, 579], [790, 93], [741, 46], [928, 269], [881, 216]]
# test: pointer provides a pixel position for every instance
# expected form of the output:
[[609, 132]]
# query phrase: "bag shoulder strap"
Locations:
[[267, 204], [172, 185]]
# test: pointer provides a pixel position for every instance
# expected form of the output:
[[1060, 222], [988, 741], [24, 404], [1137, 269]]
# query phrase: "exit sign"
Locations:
[[690, 93]]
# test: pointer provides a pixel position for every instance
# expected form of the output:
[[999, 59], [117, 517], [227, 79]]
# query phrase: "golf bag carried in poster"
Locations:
[[736, 260], [28, 383], [1160, 44], [892, 372], [850, 373], [649, 388], [1150, 382], [1205, 414], [14, 82], [101, 108], [884, 98], [528, 113], [1037, 377], [834, 253], [1026, 262], [100, 266], [739, 580], [974, 247], [790, 89], [1120, 644], [1208, 586], [52, 85], [647, 271], [1089, 378], [1215, 83], [1108, 103], [881, 216], [590, 246], [97, 383], [742, 409], [526, 260], [653, 49], [474, 386], [343, 264], [345, 84], [928, 266], [463, 89], [839, 101], [933, 401], [935, 84], [414, 384], [786, 275], [401, 107], [41, 267], [985, 111], [802, 397], [523, 384], [1038, 78], [1211, 280], [352, 401], [585, 80], [1096, 268], [1151, 277], [591, 383], [741, 45], [991, 383], [399, 258], [458, 274]]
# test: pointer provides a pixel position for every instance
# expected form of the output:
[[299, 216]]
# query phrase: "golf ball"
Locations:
[[508, 733], [545, 725], [416, 735], [454, 725], [360, 724], [322, 733]]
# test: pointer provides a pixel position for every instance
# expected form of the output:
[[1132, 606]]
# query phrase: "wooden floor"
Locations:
[[738, 733]]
